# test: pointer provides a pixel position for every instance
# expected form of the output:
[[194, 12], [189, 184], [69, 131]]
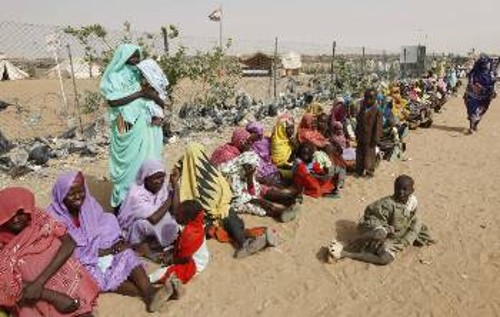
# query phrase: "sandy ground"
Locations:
[[39, 108], [460, 276]]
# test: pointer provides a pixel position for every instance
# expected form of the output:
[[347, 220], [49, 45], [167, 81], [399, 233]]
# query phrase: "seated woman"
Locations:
[[201, 181], [323, 125], [388, 226], [340, 142], [316, 132], [283, 143], [342, 111], [39, 274], [144, 215], [267, 172], [308, 132], [190, 255], [392, 142], [253, 198], [312, 174], [99, 243], [241, 141], [311, 106]]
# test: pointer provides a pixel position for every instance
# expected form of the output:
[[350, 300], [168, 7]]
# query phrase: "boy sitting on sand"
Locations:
[[389, 225]]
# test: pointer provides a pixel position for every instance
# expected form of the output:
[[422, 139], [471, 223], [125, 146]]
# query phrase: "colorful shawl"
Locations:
[[98, 229], [307, 134], [338, 112], [281, 145], [262, 147], [201, 181], [338, 136], [33, 243], [140, 203], [314, 108], [229, 151]]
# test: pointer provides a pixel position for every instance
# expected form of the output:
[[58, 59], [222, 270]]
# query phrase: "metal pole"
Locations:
[[77, 103], [275, 67], [332, 69], [220, 26], [59, 75], [363, 62], [166, 48]]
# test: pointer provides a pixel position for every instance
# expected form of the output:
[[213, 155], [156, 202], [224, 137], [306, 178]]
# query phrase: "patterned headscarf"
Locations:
[[155, 76], [229, 151]]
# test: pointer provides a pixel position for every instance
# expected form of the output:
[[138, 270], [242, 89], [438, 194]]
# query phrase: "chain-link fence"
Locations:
[[44, 101]]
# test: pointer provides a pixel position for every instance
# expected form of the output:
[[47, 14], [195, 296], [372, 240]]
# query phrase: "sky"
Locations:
[[443, 25]]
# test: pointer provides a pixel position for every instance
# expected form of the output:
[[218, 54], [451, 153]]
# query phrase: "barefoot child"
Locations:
[[190, 254], [390, 225]]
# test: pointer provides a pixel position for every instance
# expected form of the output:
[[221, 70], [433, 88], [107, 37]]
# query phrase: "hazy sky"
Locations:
[[444, 25]]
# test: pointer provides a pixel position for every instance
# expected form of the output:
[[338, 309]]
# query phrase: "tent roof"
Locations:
[[291, 61]]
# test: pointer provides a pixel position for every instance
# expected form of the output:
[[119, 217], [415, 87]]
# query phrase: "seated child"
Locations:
[[389, 225], [311, 172], [154, 79], [190, 254]]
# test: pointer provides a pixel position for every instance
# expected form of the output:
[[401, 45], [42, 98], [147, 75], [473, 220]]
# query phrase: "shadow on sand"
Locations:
[[346, 230], [449, 129]]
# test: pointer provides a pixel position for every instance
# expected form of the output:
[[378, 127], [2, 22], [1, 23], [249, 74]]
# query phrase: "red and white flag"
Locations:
[[215, 15]]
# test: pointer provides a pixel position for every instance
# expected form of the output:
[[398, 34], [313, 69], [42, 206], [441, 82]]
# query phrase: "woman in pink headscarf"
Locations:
[[308, 132], [241, 141], [39, 276], [145, 213]]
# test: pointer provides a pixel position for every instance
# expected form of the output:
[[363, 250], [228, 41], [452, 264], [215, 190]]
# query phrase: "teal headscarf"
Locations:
[[143, 142], [121, 80]]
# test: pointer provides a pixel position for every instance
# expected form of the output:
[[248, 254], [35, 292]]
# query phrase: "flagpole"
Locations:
[[220, 26]]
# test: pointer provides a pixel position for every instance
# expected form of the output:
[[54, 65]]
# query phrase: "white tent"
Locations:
[[10, 72], [291, 61], [81, 67]]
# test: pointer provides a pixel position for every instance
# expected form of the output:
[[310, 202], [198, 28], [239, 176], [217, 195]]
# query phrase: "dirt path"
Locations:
[[456, 179]]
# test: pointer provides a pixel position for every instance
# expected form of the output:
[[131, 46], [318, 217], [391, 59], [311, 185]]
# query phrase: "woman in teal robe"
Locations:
[[133, 138]]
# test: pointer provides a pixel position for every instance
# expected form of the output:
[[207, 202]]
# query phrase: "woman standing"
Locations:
[[134, 138], [480, 92]]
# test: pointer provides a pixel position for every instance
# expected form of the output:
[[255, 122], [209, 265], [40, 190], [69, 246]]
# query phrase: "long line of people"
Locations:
[[55, 263]]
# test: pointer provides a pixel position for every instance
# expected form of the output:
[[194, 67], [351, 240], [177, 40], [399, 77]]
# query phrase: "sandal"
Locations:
[[335, 249]]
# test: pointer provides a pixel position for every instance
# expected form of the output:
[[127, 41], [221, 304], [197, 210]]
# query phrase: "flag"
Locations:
[[215, 16]]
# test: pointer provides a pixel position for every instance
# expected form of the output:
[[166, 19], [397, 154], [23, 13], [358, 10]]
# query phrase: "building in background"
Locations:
[[292, 64], [412, 61], [257, 65]]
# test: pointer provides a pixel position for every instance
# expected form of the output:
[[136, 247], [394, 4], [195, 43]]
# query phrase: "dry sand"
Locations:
[[40, 109], [456, 179]]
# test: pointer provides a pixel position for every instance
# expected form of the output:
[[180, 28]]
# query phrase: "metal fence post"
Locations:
[[77, 102]]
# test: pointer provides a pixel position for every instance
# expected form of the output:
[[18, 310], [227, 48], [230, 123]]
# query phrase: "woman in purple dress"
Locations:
[[99, 243]]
